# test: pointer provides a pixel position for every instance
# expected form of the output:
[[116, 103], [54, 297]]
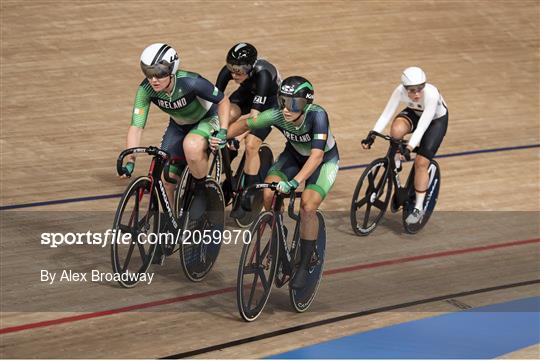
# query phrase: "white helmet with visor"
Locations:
[[159, 60], [413, 76]]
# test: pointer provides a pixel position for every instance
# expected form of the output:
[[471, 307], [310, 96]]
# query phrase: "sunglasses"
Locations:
[[160, 70], [415, 88], [295, 105], [239, 69]]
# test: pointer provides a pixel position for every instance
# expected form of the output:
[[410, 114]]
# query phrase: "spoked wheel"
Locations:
[[267, 159], [136, 217], [301, 299], [202, 237], [257, 268], [371, 197], [430, 200]]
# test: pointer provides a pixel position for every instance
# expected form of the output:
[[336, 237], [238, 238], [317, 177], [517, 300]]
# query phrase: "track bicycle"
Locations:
[[138, 229], [270, 259], [373, 191]]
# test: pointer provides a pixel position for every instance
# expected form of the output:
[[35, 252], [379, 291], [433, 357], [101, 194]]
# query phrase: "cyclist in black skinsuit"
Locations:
[[259, 83]]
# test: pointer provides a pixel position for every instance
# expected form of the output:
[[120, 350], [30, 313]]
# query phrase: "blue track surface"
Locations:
[[480, 333]]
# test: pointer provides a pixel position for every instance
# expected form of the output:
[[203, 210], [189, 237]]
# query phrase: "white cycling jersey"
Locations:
[[431, 106]]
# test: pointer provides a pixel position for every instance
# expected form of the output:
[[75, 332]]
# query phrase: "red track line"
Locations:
[[429, 255], [86, 316], [115, 310]]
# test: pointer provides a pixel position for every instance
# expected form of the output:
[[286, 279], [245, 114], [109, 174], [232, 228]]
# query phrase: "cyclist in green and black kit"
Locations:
[[196, 108], [310, 155]]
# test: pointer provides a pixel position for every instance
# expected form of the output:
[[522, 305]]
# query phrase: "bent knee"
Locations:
[[194, 144], [421, 162], [400, 127], [308, 209], [252, 144]]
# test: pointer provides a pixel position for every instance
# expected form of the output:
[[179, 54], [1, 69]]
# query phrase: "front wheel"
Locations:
[[430, 200], [301, 299], [371, 197], [257, 267], [137, 216]]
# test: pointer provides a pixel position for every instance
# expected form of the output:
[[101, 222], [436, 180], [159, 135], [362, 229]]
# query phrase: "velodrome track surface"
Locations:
[[69, 73]]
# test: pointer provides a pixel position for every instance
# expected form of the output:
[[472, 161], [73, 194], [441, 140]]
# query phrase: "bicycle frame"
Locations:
[[395, 146], [159, 165], [278, 225], [226, 157]]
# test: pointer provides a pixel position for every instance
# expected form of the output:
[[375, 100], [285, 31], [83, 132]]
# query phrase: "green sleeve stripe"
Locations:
[[262, 120], [250, 123]]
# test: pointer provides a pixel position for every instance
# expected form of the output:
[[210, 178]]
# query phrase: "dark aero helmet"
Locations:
[[295, 93], [241, 58]]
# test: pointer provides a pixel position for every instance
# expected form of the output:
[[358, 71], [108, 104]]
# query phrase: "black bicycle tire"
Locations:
[[114, 245], [354, 209], [417, 228], [248, 316], [311, 298]]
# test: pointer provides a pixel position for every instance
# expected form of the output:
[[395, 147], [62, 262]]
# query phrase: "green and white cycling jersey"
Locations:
[[313, 133], [193, 98]]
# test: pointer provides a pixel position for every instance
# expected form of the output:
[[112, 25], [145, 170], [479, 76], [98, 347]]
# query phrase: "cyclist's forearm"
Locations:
[[237, 128], [315, 159], [423, 123], [134, 137], [224, 109], [253, 113]]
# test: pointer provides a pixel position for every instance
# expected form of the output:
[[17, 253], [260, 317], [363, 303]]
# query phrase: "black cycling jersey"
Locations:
[[262, 84]]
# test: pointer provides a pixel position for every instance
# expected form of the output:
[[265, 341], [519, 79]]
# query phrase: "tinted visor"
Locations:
[[160, 70], [239, 69], [415, 88], [295, 105]]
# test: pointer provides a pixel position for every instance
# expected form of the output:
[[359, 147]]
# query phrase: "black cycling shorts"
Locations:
[[433, 137]]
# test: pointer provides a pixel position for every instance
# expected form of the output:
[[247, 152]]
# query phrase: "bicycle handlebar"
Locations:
[[389, 138], [401, 143], [273, 186], [154, 151]]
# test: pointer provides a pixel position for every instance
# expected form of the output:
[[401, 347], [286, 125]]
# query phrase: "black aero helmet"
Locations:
[[295, 93], [241, 58]]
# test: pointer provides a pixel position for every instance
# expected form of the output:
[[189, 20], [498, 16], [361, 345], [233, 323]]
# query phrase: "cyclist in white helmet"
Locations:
[[426, 117], [196, 109]]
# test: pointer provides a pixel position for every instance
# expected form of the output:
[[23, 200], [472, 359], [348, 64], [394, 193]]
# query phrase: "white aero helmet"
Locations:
[[159, 60], [413, 76]]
